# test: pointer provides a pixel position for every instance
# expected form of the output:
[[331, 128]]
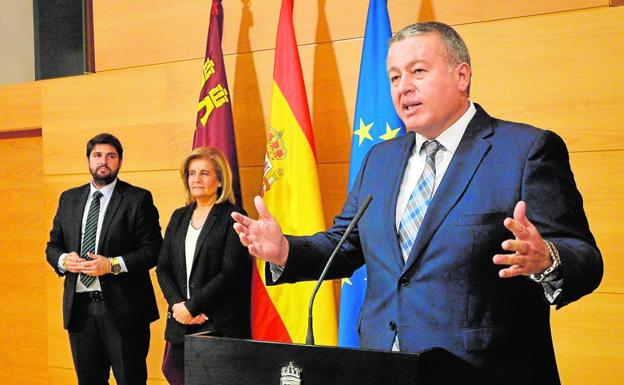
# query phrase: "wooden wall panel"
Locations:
[[589, 340], [562, 72], [148, 32], [63, 376], [58, 353], [20, 226], [21, 200], [20, 106], [494, 9], [20, 161], [159, 101], [129, 34], [22, 277], [333, 178], [77, 108], [23, 359], [600, 178]]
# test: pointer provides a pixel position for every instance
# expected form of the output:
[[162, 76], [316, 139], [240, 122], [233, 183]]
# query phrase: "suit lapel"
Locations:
[[470, 152], [78, 207], [182, 228], [395, 172], [115, 200]]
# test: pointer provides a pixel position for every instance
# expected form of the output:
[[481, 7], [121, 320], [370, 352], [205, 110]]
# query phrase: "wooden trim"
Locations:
[[88, 46], [16, 134], [616, 3]]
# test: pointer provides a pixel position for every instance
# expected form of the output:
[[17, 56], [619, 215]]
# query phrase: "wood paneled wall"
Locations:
[[23, 272], [551, 63]]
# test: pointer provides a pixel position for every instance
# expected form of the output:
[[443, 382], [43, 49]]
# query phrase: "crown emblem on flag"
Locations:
[[275, 144]]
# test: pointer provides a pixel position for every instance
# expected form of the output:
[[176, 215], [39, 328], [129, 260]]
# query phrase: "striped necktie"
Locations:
[[419, 200], [88, 237]]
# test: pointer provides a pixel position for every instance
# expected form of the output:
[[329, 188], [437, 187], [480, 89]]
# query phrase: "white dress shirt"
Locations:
[[190, 244]]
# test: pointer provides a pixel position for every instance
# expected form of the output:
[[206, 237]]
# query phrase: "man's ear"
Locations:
[[463, 73]]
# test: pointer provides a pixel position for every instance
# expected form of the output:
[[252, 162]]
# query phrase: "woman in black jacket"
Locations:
[[203, 269]]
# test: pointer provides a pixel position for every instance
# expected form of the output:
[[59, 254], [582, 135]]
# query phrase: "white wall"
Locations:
[[17, 57]]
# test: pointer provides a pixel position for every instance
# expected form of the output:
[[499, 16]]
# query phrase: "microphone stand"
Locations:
[[356, 218]]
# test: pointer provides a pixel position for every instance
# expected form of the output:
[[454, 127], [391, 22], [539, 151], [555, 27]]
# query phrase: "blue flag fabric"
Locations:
[[375, 121]]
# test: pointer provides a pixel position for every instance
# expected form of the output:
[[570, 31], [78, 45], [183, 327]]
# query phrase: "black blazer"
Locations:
[[220, 281], [130, 229]]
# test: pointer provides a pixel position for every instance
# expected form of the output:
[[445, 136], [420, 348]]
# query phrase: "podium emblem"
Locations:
[[291, 375]]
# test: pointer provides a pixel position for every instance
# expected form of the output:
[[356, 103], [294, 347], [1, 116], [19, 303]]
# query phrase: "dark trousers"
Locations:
[[97, 345]]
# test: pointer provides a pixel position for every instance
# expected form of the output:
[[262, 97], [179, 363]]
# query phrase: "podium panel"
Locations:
[[224, 361]]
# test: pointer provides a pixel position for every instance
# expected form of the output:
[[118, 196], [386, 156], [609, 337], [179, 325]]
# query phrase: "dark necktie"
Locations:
[[88, 237]]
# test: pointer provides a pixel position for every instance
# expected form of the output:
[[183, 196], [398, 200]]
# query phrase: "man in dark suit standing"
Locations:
[[104, 240], [453, 260]]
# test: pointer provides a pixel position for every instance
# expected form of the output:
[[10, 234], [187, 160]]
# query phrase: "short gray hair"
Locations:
[[456, 49]]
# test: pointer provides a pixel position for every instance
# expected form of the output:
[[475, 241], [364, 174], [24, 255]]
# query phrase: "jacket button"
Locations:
[[403, 281], [193, 284], [392, 325]]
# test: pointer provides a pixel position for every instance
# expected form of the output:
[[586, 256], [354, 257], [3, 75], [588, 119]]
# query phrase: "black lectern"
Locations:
[[224, 361]]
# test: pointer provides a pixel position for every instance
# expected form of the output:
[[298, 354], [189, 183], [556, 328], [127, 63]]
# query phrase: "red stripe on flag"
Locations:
[[266, 323], [287, 72]]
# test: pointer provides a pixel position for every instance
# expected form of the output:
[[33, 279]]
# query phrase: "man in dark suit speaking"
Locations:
[[104, 240], [455, 257]]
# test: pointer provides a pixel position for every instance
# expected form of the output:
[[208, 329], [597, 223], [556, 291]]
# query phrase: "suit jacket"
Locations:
[[448, 293], [220, 280], [130, 229]]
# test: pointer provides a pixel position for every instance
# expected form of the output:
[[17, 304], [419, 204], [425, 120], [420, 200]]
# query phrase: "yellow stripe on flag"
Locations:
[[294, 198], [292, 195]]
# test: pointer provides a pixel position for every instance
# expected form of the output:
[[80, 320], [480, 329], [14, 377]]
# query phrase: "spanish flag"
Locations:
[[292, 195]]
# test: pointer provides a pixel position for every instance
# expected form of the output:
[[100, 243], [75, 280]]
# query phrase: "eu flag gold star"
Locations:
[[363, 132], [390, 133]]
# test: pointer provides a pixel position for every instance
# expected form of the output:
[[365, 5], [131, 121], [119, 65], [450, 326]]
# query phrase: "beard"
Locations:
[[104, 179]]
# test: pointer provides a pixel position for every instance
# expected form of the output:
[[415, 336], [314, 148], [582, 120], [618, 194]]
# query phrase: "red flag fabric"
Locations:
[[215, 125]]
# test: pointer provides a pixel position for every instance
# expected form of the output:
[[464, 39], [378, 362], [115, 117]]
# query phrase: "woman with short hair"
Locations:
[[203, 269]]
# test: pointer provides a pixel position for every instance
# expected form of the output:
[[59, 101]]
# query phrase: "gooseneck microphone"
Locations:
[[354, 221]]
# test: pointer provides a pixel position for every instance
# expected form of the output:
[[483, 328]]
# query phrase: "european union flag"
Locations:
[[375, 121]]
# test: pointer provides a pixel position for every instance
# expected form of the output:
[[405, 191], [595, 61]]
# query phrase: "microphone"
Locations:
[[354, 221]]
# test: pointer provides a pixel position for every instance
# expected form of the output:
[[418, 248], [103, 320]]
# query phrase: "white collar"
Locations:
[[106, 191], [451, 137]]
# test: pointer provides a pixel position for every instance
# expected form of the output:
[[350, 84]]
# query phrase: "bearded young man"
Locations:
[[104, 240]]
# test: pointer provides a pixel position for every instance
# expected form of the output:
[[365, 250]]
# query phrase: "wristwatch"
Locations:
[[550, 273], [115, 266]]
